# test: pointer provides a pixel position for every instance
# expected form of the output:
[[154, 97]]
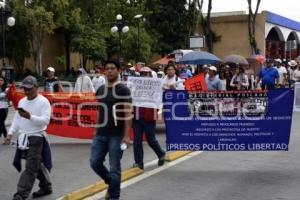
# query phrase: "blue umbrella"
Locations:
[[199, 58]]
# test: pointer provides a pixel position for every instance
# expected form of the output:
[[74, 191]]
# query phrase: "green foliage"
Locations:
[[167, 23], [17, 41], [131, 48], [90, 43], [60, 60], [86, 27]]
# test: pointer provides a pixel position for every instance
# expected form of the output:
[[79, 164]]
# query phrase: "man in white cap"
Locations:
[[282, 80], [52, 83], [292, 69], [297, 73], [212, 81], [127, 72], [31, 121]]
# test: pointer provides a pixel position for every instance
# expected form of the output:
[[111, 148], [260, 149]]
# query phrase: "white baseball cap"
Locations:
[[278, 60], [212, 68], [51, 69]]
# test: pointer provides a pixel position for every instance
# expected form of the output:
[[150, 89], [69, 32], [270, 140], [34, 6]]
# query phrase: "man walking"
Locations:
[[31, 121], [114, 123]]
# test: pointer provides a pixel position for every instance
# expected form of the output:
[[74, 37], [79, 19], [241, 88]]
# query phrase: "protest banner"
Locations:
[[196, 83], [228, 120], [73, 114], [297, 97], [146, 92]]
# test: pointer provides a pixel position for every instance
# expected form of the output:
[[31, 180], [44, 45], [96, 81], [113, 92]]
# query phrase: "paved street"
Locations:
[[228, 176], [71, 166], [207, 176]]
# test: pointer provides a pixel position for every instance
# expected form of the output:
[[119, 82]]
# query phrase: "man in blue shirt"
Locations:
[[212, 81], [268, 76]]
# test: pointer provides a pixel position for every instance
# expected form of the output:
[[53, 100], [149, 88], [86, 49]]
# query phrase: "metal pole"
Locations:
[[138, 42], [3, 37], [120, 46]]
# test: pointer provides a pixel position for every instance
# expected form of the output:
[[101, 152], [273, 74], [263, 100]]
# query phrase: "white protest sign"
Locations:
[[297, 97], [146, 92]]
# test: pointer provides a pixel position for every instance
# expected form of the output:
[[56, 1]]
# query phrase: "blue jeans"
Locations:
[[100, 147], [139, 126]]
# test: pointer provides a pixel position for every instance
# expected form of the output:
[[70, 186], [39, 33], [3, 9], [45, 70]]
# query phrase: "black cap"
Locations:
[[29, 82]]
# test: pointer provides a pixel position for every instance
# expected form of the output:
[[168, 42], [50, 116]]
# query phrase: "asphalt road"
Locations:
[[228, 176], [71, 165], [208, 176]]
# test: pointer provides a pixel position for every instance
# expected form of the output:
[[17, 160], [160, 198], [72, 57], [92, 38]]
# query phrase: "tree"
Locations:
[[251, 26], [166, 23], [206, 25], [130, 45], [17, 41], [67, 15], [90, 43], [40, 22]]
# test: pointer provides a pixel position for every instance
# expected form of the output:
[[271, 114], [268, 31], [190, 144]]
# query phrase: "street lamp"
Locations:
[[10, 21], [120, 27], [138, 17]]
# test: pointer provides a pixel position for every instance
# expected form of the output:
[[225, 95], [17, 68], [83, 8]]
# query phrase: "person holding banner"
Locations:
[[31, 121], [171, 80], [83, 83], [145, 121], [112, 132], [239, 80], [268, 75], [212, 81], [52, 83], [297, 73], [98, 80]]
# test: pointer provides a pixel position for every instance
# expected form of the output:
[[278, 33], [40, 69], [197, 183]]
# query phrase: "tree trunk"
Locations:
[[209, 31], [84, 61], [252, 26], [67, 51], [41, 60]]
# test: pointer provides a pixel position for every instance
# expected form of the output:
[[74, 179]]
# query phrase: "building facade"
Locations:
[[276, 36]]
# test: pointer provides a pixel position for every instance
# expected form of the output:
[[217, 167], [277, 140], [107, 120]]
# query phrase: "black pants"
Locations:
[[3, 115], [34, 168]]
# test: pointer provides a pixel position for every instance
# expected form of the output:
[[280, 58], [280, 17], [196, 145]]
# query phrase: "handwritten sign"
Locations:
[[146, 92]]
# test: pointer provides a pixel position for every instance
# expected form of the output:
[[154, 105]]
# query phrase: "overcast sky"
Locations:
[[287, 8]]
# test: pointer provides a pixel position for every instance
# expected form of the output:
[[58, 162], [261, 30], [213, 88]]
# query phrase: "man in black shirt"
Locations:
[[52, 83], [114, 122]]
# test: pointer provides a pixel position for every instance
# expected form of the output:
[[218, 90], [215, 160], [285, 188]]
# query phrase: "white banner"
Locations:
[[146, 92], [297, 97]]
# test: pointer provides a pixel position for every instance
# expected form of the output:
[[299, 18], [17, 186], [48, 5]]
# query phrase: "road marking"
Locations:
[[147, 174]]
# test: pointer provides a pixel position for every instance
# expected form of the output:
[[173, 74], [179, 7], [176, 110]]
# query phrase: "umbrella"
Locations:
[[236, 59], [298, 59], [199, 58], [258, 58]]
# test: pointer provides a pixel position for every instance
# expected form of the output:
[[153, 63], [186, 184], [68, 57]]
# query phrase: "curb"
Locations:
[[175, 155], [100, 186], [126, 175]]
